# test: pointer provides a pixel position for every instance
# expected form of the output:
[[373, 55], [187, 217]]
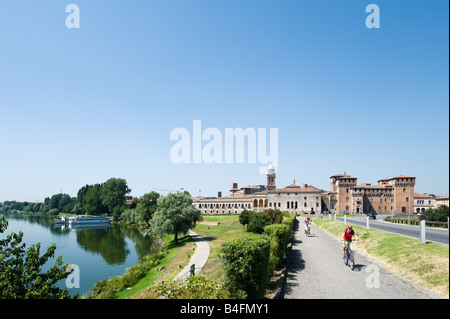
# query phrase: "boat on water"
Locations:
[[84, 220], [63, 220]]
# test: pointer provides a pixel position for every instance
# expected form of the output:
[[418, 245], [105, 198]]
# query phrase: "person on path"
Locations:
[[347, 238]]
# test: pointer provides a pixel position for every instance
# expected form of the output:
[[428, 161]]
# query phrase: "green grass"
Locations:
[[175, 256], [427, 265], [216, 235]]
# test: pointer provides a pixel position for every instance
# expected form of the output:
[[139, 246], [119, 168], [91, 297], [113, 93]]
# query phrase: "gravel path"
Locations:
[[199, 258], [316, 270]]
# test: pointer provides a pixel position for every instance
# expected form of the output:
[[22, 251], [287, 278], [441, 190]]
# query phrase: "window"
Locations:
[[407, 199]]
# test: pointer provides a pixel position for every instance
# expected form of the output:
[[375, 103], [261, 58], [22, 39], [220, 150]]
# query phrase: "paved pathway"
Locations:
[[316, 270], [199, 258]]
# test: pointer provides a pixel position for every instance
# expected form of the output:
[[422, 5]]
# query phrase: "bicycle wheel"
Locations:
[[351, 256], [352, 261], [346, 256]]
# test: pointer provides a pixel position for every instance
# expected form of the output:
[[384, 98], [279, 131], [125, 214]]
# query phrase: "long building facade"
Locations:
[[292, 198], [388, 196]]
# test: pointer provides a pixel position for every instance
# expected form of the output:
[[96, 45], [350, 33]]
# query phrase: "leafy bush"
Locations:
[[21, 274], [282, 233], [245, 262], [439, 214], [257, 222]]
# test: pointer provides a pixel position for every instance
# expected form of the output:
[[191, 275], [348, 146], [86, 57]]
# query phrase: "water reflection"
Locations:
[[108, 241]]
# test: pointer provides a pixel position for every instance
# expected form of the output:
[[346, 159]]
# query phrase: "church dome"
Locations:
[[271, 169]]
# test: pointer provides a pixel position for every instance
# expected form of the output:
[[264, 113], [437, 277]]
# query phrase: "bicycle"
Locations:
[[307, 229], [349, 257]]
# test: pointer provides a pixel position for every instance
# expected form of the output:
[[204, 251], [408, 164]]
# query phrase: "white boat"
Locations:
[[62, 220], [83, 220]]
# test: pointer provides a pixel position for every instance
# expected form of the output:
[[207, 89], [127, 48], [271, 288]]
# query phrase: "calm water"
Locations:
[[98, 253]]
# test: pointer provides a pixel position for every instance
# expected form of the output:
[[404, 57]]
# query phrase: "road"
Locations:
[[431, 234], [316, 271]]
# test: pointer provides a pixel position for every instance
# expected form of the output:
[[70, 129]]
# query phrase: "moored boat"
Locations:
[[62, 220], [82, 220]]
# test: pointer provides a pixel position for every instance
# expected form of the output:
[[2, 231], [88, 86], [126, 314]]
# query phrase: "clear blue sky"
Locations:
[[79, 106]]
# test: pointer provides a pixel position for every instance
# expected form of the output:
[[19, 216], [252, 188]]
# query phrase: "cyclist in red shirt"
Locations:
[[347, 237]]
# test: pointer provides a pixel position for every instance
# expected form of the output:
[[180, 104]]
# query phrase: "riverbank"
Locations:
[[214, 229], [162, 266]]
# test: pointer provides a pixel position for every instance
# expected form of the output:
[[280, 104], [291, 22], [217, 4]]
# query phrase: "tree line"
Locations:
[[106, 198], [21, 273]]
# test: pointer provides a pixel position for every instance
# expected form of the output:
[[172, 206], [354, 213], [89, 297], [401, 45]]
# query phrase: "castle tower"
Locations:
[[341, 185], [271, 177]]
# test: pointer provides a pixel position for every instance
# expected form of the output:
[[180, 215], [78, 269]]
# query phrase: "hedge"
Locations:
[[246, 264]]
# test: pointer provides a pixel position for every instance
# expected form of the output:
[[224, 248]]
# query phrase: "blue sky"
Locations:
[[79, 106]]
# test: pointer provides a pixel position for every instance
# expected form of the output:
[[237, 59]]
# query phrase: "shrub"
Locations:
[[245, 262], [257, 222], [282, 233], [274, 216]]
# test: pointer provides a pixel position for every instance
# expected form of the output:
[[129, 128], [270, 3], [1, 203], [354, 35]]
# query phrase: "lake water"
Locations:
[[99, 253]]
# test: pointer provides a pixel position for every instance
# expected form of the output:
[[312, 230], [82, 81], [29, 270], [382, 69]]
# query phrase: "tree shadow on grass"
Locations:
[[181, 242]]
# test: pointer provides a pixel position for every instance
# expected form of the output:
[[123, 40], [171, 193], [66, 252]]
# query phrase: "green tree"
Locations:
[[175, 214], [147, 205], [93, 203], [439, 214], [244, 217], [54, 201], [274, 216], [21, 275], [257, 222], [113, 195]]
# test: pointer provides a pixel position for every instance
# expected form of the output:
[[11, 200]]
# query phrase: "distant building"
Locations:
[[128, 200], [443, 200], [422, 202], [389, 195], [292, 198]]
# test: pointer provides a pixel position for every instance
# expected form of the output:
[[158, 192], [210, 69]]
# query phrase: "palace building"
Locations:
[[389, 195], [292, 198]]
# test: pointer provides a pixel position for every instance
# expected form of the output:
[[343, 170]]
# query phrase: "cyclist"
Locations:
[[308, 222], [347, 238]]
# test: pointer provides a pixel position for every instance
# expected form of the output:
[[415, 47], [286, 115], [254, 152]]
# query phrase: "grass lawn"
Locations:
[[228, 229], [427, 265]]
